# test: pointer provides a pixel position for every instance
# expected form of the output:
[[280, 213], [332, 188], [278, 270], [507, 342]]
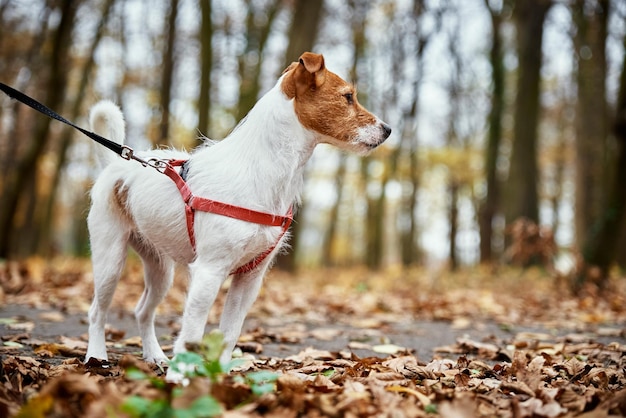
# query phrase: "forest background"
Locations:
[[509, 120]]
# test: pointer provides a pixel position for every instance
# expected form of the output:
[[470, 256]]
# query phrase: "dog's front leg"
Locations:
[[243, 291], [205, 284], [206, 281]]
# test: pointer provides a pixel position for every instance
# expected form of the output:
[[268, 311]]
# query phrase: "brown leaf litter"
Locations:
[[531, 374]]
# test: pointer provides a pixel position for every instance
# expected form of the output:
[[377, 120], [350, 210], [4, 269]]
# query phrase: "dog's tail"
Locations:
[[106, 119]]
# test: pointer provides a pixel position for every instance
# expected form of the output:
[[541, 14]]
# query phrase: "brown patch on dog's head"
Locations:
[[326, 104]]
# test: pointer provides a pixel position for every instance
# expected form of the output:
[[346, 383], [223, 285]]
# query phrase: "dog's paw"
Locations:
[[160, 360], [89, 358], [176, 377], [96, 353], [96, 362]]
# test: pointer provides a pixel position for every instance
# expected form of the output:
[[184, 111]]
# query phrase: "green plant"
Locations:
[[261, 382], [201, 361], [137, 406]]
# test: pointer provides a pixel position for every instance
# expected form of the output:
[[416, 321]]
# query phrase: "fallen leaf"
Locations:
[[52, 316], [325, 334], [21, 326], [423, 399], [388, 349]]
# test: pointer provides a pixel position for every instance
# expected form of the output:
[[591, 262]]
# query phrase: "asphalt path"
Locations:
[[282, 337]]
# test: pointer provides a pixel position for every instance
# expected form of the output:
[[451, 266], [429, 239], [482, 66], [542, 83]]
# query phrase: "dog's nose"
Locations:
[[386, 130]]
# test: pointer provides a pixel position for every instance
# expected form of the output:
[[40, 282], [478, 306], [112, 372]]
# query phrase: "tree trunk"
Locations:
[[410, 254], [206, 65], [453, 216], [592, 121], [522, 198], [489, 206], [305, 21], [168, 74], [410, 249], [26, 231], [47, 224], [301, 36], [374, 216], [252, 58], [330, 237], [8, 161], [27, 165], [600, 246]]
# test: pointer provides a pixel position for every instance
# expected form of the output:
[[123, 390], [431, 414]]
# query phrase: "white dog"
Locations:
[[259, 166]]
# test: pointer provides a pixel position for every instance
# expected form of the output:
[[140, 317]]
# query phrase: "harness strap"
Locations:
[[193, 203]]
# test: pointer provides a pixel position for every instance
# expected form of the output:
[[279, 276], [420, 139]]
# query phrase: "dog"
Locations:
[[258, 166]]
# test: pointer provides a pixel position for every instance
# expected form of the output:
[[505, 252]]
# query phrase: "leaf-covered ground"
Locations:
[[337, 343]]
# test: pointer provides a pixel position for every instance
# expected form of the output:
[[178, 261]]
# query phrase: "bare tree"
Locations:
[[307, 15], [489, 207], [452, 139], [407, 151], [20, 181], [522, 199], [257, 32], [330, 235], [600, 246], [206, 66], [302, 36], [590, 20], [46, 223], [168, 73]]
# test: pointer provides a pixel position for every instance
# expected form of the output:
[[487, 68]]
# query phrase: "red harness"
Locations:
[[193, 203]]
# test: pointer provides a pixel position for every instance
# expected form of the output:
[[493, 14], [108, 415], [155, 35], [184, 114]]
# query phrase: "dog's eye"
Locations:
[[349, 98]]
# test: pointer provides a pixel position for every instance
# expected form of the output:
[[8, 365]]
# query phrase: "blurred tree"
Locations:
[[167, 75], [453, 140], [489, 207], [406, 154], [259, 20], [600, 246], [206, 67], [358, 11], [25, 48], [558, 153], [305, 21], [46, 217], [330, 235], [590, 20], [307, 15], [521, 197], [19, 184], [407, 50]]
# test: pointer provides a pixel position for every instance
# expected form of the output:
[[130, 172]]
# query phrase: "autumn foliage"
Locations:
[[328, 344]]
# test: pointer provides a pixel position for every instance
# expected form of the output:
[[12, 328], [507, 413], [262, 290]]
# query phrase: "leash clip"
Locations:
[[158, 165], [127, 152]]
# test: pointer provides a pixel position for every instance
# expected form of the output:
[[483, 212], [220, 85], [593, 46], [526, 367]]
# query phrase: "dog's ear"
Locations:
[[313, 63], [310, 73]]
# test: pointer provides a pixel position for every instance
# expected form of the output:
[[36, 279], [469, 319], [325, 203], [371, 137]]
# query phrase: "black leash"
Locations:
[[122, 150]]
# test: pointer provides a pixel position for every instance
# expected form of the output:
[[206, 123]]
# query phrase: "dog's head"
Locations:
[[327, 105]]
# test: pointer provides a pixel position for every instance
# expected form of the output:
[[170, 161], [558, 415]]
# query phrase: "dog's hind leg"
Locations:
[[108, 249], [243, 291], [158, 277]]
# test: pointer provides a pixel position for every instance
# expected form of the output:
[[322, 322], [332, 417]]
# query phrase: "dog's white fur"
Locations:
[[258, 166]]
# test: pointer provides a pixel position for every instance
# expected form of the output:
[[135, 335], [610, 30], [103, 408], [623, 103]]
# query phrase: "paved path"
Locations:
[[283, 337]]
